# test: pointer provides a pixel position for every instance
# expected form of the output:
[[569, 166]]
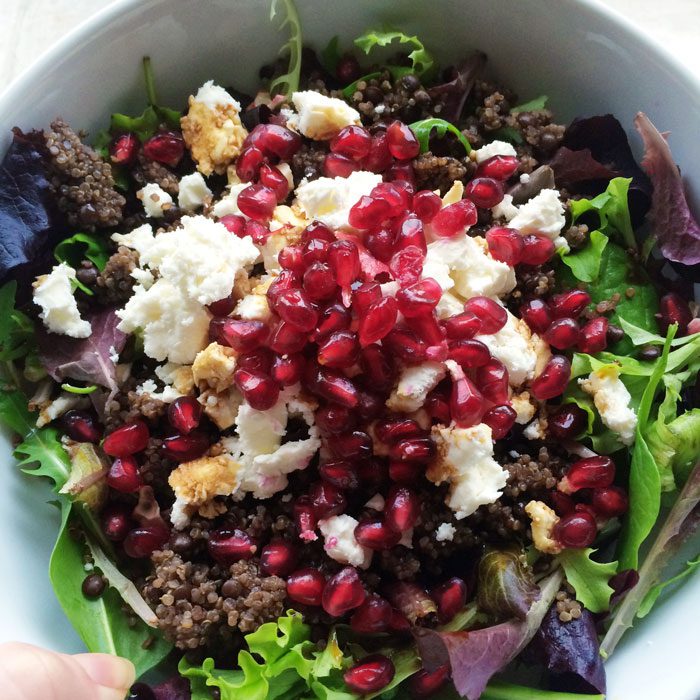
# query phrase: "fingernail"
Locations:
[[106, 670]]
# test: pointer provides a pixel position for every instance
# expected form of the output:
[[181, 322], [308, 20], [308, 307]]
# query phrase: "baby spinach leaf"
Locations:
[[330, 55], [83, 246], [533, 105], [288, 82], [589, 578], [425, 127], [654, 592], [585, 263], [421, 59]]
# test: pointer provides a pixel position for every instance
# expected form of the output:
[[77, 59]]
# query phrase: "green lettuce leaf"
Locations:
[[16, 328], [421, 59], [288, 82], [589, 578], [585, 263], [639, 336], [655, 591], [422, 129], [83, 246], [534, 105]]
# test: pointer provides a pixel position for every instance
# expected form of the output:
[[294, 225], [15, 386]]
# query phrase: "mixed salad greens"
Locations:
[[642, 237]]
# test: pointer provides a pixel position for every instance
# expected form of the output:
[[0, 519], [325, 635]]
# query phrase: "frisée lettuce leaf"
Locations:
[[421, 60]]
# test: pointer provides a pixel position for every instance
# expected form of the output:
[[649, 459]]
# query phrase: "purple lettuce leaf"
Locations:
[[572, 167], [676, 229], [84, 359], [456, 90], [175, 688], [571, 653]]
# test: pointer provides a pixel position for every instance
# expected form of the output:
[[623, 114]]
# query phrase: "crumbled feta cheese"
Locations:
[[228, 204], [253, 307], [495, 148], [465, 460], [193, 192], [445, 532], [59, 309], [523, 407], [414, 385], [524, 178], [449, 305], [286, 170], [155, 200], [505, 209], [212, 129], [321, 117], [612, 401], [113, 354], [544, 214], [140, 239], [168, 395], [178, 376], [214, 366], [543, 521], [340, 544], [261, 432], [376, 502], [51, 409], [454, 194], [329, 199], [221, 407], [537, 430]]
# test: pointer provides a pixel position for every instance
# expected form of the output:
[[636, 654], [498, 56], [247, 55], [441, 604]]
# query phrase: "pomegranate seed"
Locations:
[[588, 473], [391, 430], [380, 244], [248, 163], [371, 674], [585, 508], [222, 307], [450, 598], [273, 178], [498, 167], [319, 282], [536, 249], [553, 379], [116, 522], [500, 419], [437, 404], [379, 158], [290, 258], [341, 474], [326, 500], [562, 333], [353, 142], [569, 304], [462, 326], [485, 192], [123, 475], [288, 369], [343, 592], [402, 142], [257, 201], [563, 504], [334, 317], [378, 321], [127, 439], [242, 336], [286, 339], [353, 445], [339, 349], [567, 422], [594, 335], [419, 298], [184, 414], [405, 472], [505, 244], [377, 366], [314, 250], [259, 389], [335, 387], [425, 205], [227, 546], [413, 450], [373, 616], [537, 314], [466, 402], [424, 683], [364, 296], [368, 213], [344, 259], [185, 448], [234, 224], [610, 502], [427, 328], [454, 219], [373, 473], [490, 313], [257, 231], [576, 530], [81, 426], [166, 147], [674, 309], [274, 140], [406, 265], [278, 558], [411, 233], [306, 586], [376, 534], [142, 541], [402, 508], [348, 69], [406, 345], [334, 419], [123, 149], [319, 230], [468, 353], [304, 518], [398, 198], [492, 380], [294, 307]]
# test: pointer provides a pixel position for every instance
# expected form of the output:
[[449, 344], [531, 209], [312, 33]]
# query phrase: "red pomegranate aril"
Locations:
[[319, 282], [286, 339], [326, 500], [248, 163], [454, 219], [274, 140], [391, 430], [498, 167], [396, 196], [370, 674], [563, 503], [413, 450], [259, 389], [373, 473], [278, 558], [585, 508], [553, 379], [222, 307], [378, 159], [364, 296], [242, 336], [142, 541], [166, 147], [353, 445], [576, 530], [344, 259], [588, 473], [314, 250], [406, 345], [294, 307], [340, 473], [335, 387], [373, 616], [127, 439], [450, 597], [368, 213], [257, 231], [334, 317], [485, 192], [227, 546], [401, 173], [274, 179], [593, 337], [317, 229], [81, 426], [116, 522], [287, 369], [505, 244], [401, 509], [185, 448], [492, 381], [569, 304], [376, 534], [500, 419], [562, 333], [437, 404], [340, 349], [184, 414], [290, 258], [466, 402], [406, 265], [427, 328], [402, 142], [334, 419], [123, 149], [405, 472], [123, 475], [425, 205], [304, 518], [537, 249], [537, 314], [609, 502], [424, 683], [380, 243], [343, 592], [348, 69], [674, 309], [234, 223], [411, 233], [306, 586], [419, 298], [490, 313], [377, 367], [378, 320], [468, 353], [257, 201], [352, 141], [567, 422], [462, 326]]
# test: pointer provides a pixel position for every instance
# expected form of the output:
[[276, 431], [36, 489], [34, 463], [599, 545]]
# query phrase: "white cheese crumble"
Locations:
[[523, 406], [320, 117], [329, 199], [465, 460], [253, 307], [495, 148], [193, 192], [612, 400], [376, 502], [155, 200], [340, 544], [505, 209], [168, 395], [445, 532], [537, 430], [228, 204], [140, 239], [544, 214], [414, 385], [59, 309], [214, 96]]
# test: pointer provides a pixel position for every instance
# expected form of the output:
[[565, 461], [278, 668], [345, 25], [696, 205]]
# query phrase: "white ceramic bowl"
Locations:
[[588, 59]]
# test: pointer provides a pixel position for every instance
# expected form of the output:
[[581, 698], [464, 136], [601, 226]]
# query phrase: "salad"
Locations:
[[377, 383]]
